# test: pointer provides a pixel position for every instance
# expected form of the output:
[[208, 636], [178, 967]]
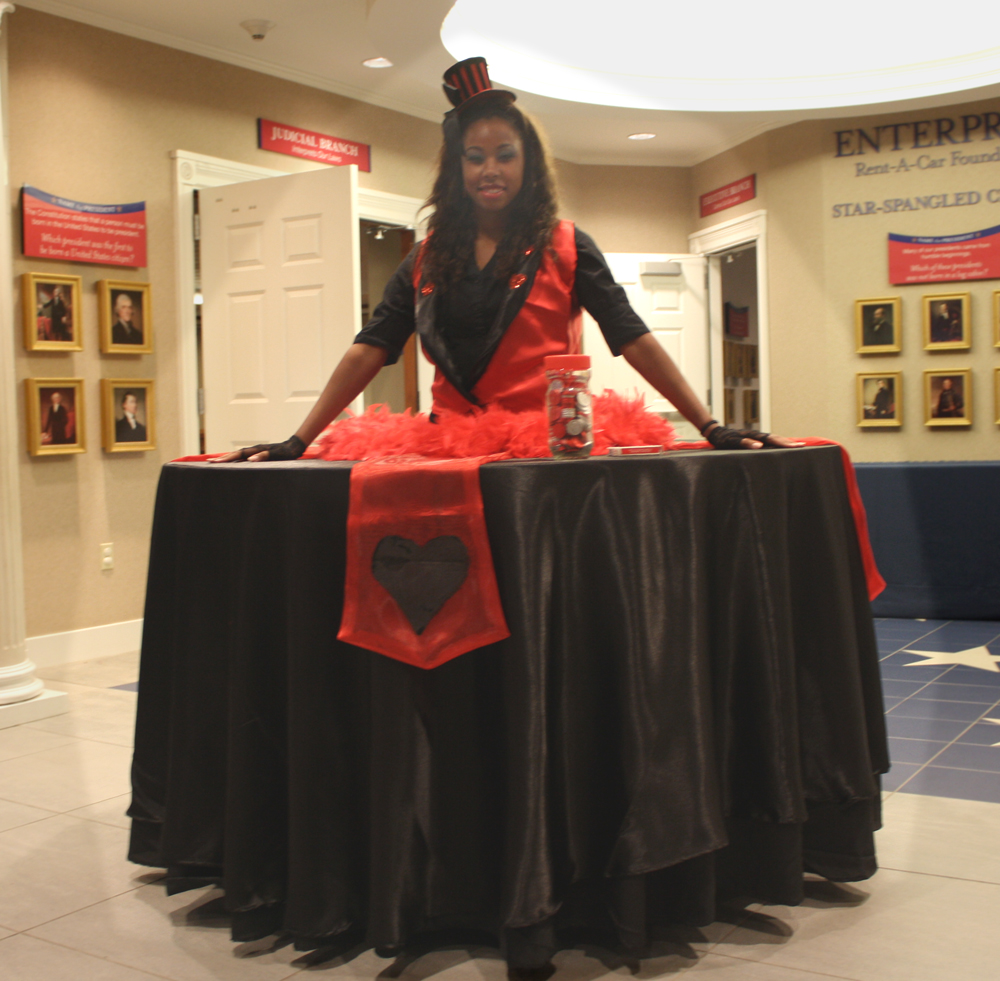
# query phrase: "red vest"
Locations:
[[549, 322]]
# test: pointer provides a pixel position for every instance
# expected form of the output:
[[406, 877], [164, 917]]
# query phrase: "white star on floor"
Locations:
[[995, 722], [974, 657]]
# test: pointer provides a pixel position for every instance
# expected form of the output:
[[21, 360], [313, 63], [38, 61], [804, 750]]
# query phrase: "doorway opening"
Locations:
[[741, 337], [382, 248]]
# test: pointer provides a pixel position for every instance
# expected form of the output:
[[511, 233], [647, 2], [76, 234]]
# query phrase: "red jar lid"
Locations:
[[567, 362]]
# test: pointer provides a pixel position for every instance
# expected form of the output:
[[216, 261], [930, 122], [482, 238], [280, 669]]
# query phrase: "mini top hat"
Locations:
[[469, 81]]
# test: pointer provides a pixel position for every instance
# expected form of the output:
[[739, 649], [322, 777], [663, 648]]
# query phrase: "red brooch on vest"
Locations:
[[517, 280]]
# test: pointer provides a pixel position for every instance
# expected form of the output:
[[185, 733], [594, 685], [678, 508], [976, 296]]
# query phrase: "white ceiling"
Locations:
[[322, 43]]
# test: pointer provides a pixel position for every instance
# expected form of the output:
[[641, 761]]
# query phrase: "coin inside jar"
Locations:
[[575, 426]]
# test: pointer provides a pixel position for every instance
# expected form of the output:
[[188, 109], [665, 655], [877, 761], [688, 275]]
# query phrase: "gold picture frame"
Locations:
[[56, 416], [947, 321], [959, 411], [880, 399], [51, 312], [125, 314], [878, 325], [128, 414]]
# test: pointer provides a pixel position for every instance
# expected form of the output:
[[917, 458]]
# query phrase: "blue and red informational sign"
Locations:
[[53, 227], [944, 258]]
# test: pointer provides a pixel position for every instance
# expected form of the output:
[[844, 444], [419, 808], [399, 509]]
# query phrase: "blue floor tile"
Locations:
[[131, 686], [930, 708], [898, 672], [956, 693], [937, 730], [969, 633], [901, 689], [969, 756], [890, 702], [899, 774], [914, 750], [984, 734], [942, 781], [961, 675]]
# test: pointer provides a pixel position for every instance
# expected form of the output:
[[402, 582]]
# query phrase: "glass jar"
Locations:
[[571, 426]]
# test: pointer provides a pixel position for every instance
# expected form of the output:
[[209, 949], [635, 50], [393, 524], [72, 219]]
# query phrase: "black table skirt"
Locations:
[[687, 711]]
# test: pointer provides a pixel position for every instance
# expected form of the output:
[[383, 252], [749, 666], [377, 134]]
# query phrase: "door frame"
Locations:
[[196, 171], [712, 242]]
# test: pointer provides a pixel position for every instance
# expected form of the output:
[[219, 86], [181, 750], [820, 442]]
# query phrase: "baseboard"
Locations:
[[49, 650]]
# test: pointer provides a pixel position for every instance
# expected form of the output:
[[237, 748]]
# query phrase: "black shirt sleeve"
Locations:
[[393, 321], [603, 298]]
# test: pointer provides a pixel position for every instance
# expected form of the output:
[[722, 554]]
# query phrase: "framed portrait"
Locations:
[[51, 312], [878, 325], [125, 310], [948, 398], [56, 421], [128, 420], [751, 407], [880, 399], [947, 322]]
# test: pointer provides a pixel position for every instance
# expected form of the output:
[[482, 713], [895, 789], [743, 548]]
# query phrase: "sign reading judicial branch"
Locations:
[[296, 142], [106, 234], [944, 258], [745, 189]]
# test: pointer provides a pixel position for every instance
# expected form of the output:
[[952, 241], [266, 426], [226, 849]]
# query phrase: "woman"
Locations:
[[497, 284]]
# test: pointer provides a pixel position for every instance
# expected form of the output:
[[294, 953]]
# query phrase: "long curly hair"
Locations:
[[452, 225]]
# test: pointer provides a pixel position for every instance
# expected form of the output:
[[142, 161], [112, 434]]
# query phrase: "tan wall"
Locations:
[[628, 209], [96, 122], [819, 265]]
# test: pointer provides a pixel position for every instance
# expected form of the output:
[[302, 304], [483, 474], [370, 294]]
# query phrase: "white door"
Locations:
[[669, 292], [280, 280]]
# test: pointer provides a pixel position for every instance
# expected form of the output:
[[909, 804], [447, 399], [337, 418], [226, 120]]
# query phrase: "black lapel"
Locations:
[[513, 301], [430, 337]]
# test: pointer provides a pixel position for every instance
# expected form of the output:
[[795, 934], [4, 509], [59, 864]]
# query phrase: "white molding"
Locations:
[[118, 26], [50, 650], [749, 228]]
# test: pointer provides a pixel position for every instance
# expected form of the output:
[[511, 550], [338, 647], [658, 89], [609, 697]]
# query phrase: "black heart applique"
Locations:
[[420, 578]]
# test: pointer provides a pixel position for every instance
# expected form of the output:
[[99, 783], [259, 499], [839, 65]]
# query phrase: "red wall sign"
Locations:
[[729, 196], [106, 234], [296, 142], [944, 259]]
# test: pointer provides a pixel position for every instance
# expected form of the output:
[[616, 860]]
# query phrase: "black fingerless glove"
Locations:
[[724, 438], [291, 449]]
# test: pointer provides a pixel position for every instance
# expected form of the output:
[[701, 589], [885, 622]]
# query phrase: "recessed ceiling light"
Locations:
[[377, 63], [642, 136]]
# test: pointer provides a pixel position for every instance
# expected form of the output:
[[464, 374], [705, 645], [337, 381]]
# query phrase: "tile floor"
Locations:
[[73, 909]]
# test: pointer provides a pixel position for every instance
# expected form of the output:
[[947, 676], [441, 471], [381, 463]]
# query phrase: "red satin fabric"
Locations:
[[548, 323], [420, 500]]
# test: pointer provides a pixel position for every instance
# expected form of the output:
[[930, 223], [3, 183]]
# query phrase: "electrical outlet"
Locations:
[[108, 555]]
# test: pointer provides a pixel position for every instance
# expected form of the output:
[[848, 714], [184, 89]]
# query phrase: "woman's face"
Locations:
[[492, 164]]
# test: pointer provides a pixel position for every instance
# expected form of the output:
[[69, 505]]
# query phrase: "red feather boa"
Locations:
[[492, 431]]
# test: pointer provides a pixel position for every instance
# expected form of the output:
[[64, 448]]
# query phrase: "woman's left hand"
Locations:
[[724, 438]]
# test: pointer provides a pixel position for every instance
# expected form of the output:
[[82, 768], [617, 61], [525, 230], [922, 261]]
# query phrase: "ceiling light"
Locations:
[[377, 63], [771, 55], [642, 136], [257, 29]]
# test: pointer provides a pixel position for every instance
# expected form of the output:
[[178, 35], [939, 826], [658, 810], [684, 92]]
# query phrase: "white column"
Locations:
[[23, 697]]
